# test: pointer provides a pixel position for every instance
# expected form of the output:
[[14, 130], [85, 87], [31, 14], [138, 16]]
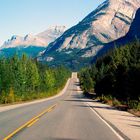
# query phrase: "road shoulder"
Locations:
[[124, 123]]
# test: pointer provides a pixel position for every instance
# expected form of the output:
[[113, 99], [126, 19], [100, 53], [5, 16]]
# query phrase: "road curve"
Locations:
[[67, 117]]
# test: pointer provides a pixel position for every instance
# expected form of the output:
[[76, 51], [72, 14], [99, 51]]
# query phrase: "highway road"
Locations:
[[67, 117]]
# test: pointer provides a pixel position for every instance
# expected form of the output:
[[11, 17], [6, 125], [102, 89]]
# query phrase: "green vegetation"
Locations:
[[23, 79], [70, 58], [116, 76], [30, 51]]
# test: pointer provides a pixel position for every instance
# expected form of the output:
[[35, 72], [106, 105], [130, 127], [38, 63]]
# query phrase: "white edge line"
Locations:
[[112, 129]]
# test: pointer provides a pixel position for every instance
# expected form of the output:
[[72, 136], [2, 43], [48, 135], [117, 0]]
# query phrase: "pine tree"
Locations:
[[32, 76], [49, 79]]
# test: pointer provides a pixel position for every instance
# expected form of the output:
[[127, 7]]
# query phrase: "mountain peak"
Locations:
[[53, 29], [29, 37], [14, 37], [57, 27], [52, 33]]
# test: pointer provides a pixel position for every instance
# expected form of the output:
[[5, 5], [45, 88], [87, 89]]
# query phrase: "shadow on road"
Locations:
[[77, 83], [129, 116], [78, 100], [129, 120], [109, 108], [138, 126], [75, 90]]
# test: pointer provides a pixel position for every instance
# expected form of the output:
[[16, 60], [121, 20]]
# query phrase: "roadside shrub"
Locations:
[[3, 98], [11, 96], [134, 104], [106, 99], [116, 102]]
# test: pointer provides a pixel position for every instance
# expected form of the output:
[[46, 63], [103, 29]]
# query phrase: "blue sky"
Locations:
[[20, 17]]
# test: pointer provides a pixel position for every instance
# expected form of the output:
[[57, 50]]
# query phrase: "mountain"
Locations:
[[110, 21], [31, 45], [41, 39], [132, 35], [28, 40]]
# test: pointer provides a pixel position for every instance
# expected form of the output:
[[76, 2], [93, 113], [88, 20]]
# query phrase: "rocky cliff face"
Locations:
[[133, 33], [42, 39], [110, 21]]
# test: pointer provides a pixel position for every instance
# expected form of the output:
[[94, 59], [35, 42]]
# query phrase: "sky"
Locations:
[[21, 17]]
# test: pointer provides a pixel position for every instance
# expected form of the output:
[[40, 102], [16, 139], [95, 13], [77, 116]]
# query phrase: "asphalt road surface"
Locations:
[[67, 117]]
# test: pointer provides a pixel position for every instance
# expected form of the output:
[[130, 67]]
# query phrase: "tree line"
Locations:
[[24, 79], [115, 75]]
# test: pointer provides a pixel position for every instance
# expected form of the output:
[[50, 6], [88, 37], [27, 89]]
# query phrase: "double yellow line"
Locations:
[[30, 122]]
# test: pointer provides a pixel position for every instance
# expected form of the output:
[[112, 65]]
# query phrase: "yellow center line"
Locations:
[[29, 122], [50, 110], [32, 123]]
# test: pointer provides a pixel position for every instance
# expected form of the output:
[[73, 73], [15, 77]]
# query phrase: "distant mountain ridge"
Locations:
[[41, 39], [110, 21]]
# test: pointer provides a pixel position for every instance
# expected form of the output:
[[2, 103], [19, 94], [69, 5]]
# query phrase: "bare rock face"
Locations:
[[132, 35], [110, 21]]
